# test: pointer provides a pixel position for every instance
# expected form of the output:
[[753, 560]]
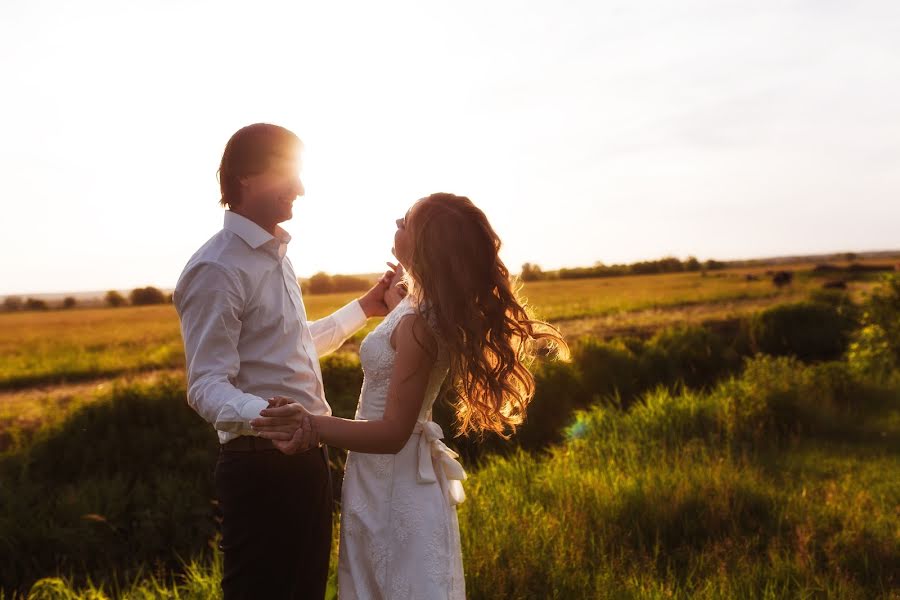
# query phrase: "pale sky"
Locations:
[[587, 131]]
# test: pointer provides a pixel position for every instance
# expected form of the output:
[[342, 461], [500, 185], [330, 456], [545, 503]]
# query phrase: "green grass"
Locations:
[[769, 486], [783, 482]]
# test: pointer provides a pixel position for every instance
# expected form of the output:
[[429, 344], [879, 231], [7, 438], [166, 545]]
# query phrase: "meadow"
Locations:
[[63, 346], [675, 460]]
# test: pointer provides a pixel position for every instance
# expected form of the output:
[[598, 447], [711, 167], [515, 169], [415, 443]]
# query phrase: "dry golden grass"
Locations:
[[75, 345]]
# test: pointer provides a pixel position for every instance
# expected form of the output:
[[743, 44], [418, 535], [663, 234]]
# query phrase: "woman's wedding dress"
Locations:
[[399, 531]]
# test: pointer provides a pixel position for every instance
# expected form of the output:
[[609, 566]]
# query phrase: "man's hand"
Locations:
[[288, 425], [396, 290], [373, 302]]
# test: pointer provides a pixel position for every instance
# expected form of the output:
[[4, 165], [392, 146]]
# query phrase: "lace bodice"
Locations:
[[377, 358]]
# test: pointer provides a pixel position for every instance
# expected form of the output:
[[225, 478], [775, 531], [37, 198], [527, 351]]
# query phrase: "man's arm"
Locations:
[[209, 304], [330, 332]]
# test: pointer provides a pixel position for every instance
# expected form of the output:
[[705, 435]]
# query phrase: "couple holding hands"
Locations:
[[452, 323]]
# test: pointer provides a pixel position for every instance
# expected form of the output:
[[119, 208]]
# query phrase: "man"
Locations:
[[246, 340]]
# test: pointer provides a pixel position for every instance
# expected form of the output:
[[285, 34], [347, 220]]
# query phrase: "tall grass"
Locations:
[[782, 482], [690, 495]]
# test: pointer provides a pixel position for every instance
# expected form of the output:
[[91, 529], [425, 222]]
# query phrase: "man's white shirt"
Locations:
[[246, 336]]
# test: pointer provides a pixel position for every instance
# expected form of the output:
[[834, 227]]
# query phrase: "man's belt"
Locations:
[[248, 443]]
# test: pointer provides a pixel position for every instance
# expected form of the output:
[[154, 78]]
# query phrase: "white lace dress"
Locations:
[[399, 531]]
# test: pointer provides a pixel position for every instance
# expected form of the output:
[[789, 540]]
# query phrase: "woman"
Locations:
[[461, 321]]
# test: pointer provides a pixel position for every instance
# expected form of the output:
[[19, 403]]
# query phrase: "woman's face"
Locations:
[[403, 240]]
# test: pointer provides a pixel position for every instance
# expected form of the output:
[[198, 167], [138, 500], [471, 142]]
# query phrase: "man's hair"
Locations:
[[249, 152]]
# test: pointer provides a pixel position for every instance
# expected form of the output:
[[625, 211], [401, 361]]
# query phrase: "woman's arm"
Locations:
[[416, 352]]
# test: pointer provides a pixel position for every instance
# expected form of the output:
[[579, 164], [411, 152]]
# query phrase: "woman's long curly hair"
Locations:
[[458, 279]]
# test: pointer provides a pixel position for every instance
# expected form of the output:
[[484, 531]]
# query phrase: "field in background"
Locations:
[[55, 347]]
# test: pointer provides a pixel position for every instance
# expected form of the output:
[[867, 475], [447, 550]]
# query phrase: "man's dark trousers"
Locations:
[[276, 521]]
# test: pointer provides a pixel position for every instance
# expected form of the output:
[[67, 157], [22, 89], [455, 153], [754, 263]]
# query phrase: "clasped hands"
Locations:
[[290, 426]]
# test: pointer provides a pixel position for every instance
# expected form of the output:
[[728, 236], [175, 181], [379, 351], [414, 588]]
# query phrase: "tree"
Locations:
[[11, 303], [114, 299], [146, 296], [320, 283], [531, 272], [35, 304], [349, 283], [692, 264], [69, 302]]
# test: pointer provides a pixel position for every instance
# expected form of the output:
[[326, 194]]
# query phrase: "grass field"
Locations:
[[780, 482], [65, 346], [783, 482]]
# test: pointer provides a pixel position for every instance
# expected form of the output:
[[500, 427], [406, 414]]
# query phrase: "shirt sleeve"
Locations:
[[209, 302], [330, 332]]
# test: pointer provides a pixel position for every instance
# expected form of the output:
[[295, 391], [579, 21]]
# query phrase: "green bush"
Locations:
[[558, 393], [608, 369], [146, 296], [808, 330], [692, 355]]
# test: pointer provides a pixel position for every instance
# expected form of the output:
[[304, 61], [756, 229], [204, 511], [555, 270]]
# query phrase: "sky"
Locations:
[[587, 131]]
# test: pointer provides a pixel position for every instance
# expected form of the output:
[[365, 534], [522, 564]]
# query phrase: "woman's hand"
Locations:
[[290, 426]]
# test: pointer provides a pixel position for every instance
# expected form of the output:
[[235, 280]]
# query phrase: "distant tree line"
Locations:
[[323, 283], [138, 297], [11, 303], [669, 264]]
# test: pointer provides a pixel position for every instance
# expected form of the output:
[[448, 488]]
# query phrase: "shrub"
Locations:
[[883, 309], [875, 349], [608, 369], [147, 296], [323, 283], [807, 330], [114, 299], [11, 303], [692, 355], [531, 272], [559, 391], [35, 304], [320, 283], [349, 283]]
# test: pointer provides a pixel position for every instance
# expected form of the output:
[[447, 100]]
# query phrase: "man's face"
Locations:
[[269, 196]]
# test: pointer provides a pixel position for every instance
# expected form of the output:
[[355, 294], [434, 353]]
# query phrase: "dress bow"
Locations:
[[433, 452]]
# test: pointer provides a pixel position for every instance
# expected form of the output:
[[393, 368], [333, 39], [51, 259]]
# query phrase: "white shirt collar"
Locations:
[[250, 232]]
